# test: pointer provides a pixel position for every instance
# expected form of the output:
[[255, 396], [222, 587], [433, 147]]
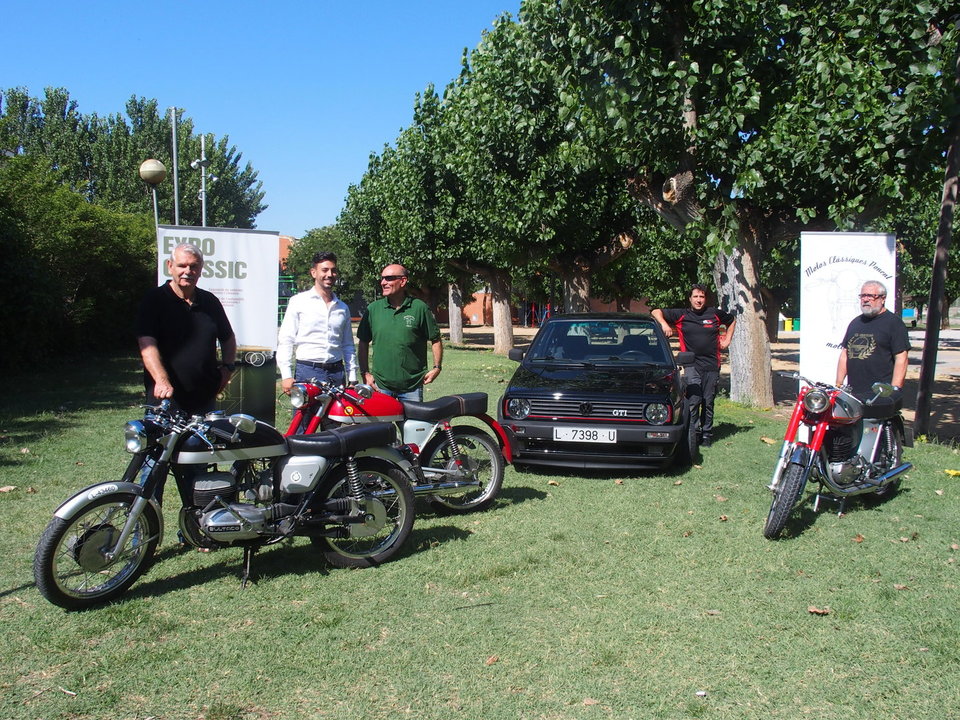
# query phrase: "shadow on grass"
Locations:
[[30, 409]]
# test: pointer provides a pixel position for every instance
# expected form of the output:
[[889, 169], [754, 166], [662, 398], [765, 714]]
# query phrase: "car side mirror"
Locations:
[[516, 354], [686, 357]]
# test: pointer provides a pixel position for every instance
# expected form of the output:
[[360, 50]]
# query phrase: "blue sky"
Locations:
[[305, 90]]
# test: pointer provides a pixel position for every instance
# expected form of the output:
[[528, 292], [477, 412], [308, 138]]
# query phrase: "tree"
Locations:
[[99, 157], [747, 122], [354, 276]]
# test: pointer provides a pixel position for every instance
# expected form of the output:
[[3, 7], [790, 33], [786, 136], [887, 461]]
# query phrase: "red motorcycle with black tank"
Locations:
[[459, 468], [850, 447]]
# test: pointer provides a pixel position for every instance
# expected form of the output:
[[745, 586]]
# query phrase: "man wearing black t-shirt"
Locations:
[[698, 330], [874, 348]]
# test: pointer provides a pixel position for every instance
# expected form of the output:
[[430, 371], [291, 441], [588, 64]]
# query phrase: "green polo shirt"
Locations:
[[399, 336]]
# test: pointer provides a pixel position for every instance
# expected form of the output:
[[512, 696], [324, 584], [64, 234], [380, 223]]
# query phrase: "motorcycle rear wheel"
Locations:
[[785, 497], [892, 456], [69, 567], [483, 462], [389, 504]]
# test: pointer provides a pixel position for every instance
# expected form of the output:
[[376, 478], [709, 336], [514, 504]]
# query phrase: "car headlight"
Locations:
[[518, 408], [134, 437], [656, 413], [816, 401], [298, 395]]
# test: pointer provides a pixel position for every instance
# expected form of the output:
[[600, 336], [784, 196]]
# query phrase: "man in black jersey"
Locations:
[[874, 348], [698, 330]]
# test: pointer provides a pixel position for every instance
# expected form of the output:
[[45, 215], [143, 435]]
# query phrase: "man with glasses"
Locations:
[[399, 326], [315, 335], [874, 348]]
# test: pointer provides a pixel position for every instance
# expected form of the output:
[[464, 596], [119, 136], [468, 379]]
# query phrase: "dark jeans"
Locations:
[[415, 395], [701, 391]]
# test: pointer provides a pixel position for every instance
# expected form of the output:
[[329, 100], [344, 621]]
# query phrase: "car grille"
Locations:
[[595, 409]]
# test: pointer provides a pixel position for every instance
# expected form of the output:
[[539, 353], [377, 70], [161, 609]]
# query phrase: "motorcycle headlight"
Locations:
[[815, 401], [656, 413], [298, 395], [134, 437], [518, 408]]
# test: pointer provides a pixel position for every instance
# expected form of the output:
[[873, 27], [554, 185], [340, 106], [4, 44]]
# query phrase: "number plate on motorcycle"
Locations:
[[585, 434]]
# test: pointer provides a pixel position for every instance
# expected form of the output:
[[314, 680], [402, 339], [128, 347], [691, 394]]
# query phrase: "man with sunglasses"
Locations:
[[399, 326], [874, 348]]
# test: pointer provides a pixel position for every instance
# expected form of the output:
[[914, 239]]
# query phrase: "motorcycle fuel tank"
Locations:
[[349, 408], [847, 410]]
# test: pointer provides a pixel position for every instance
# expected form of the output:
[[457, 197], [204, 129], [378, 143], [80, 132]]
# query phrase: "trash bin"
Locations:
[[253, 388], [787, 324]]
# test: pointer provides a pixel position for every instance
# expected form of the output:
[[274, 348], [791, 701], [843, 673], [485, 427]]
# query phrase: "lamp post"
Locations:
[[176, 183], [153, 172], [203, 163]]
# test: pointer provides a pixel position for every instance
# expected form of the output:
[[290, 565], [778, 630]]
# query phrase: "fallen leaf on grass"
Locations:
[[952, 473], [8, 488], [858, 538], [713, 612], [719, 498], [814, 610], [24, 451], [618, 481], [954, 546], [590, 701], [492, 659], [553, 482], [938, 492], [898, 586], [724, 518], [768, 441], [678, 482]]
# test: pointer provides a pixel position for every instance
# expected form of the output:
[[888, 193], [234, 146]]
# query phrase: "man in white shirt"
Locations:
[[315, 339]]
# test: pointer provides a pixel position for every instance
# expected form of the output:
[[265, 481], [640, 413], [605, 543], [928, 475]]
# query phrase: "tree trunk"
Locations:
[[502, 316], [772, 306], [455, 311], [738, 283], [576, 289]]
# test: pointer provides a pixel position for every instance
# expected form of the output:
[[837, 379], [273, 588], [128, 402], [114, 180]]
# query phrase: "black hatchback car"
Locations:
[[599, 390]]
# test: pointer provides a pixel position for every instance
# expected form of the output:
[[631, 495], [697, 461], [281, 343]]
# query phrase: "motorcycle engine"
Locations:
[[225, 526], [845, 465]]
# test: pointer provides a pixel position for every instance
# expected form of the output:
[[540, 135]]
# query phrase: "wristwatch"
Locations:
[[437, 367]]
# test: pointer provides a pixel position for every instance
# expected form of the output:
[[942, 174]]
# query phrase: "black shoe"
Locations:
[[707, 441]]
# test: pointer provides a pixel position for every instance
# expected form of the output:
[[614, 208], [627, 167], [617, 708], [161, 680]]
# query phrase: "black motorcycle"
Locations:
[[357, 510]]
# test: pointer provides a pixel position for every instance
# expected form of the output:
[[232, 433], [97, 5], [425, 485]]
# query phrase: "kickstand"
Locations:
[[841, 501], [247, 558]]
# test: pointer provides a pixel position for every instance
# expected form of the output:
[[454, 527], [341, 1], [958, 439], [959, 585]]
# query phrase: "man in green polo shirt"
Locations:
[[400, 327]]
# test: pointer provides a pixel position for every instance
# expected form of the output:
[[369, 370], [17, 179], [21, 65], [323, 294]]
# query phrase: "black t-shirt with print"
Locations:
[[871, 344], [698, 332]]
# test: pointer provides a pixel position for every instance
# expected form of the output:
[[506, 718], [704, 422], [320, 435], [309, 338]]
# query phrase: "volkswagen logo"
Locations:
[[586, 408]]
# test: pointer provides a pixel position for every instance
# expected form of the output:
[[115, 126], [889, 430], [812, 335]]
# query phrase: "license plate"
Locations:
[[585, 434]]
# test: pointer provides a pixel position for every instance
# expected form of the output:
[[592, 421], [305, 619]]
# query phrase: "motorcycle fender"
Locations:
[[73, 505], [501, 435], [391, 455], [801, 455]]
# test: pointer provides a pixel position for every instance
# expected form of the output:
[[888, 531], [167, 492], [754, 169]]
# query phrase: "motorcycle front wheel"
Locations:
[[481, 460], [784, 498], [387, 505], [70, 568]]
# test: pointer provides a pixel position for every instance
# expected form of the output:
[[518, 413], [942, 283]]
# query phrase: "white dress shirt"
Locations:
[[316, 331]]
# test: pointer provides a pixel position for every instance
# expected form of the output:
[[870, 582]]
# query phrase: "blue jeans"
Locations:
[[415, 395]]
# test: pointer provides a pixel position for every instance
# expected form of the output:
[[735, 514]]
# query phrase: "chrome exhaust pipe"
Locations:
[[872, 486], [455, 487]]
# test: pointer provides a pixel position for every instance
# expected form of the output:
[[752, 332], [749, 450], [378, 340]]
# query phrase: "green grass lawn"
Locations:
[[607, 596]]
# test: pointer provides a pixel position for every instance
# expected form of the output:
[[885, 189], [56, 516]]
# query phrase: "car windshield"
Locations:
[[626, 342]]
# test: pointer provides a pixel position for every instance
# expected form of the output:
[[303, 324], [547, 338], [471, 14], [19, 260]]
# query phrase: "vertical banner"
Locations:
[[833, 267], [241, 267]]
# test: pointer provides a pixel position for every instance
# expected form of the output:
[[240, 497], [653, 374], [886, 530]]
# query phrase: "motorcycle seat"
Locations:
[[343, 441], [447, 406], [883, 408]]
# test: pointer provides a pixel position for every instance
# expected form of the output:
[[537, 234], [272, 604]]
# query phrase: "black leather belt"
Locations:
[[338, 365]]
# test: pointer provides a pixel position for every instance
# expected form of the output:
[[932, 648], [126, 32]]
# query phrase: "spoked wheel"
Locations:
[[480, 461], [785, 497], [70, 567], [385, 513], [891, 456]]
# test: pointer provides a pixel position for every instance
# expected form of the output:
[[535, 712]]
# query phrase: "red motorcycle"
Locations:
[[459, 468], [849, 447]]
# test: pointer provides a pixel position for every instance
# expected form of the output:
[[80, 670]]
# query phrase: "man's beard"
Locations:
[[870, 311]]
